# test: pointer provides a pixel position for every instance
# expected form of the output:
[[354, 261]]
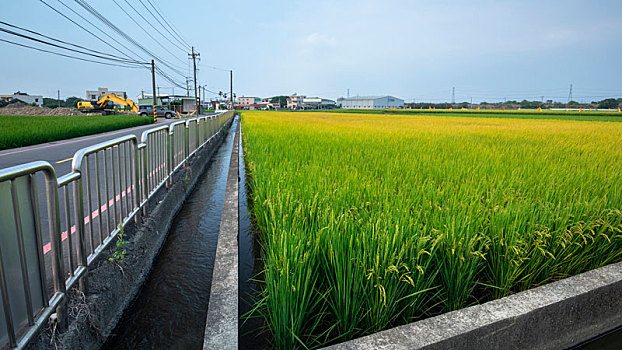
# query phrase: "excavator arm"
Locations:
[[103, 102]]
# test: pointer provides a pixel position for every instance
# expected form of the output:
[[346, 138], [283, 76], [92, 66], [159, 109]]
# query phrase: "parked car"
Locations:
[[161, 111]]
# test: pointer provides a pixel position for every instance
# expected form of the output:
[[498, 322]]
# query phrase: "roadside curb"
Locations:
[[558, 315]]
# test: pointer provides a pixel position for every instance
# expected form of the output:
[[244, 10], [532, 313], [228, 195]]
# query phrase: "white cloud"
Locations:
[[318, 40]]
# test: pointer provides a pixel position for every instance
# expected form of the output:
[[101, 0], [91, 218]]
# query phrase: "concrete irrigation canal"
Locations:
[[169, 312]]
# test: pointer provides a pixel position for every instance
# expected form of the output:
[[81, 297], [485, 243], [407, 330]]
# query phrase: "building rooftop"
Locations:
[[357, 98]]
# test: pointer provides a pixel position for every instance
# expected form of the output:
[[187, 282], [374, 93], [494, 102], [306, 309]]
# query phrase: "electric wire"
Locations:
[[147, 32], [68, 56], [123, 60], [152, 26], [216, 68], [168, 24], [62, 41], [88, 31], [129, 62], [124, 35]]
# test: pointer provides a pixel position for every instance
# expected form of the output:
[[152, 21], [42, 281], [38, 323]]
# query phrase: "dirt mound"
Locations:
[[16, 105], [20, 108]]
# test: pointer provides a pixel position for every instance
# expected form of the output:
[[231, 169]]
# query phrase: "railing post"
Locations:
[[58, 275], [169, 154], [78, 212], [187, 141], [197, 141], [137, 193], [143, 157]]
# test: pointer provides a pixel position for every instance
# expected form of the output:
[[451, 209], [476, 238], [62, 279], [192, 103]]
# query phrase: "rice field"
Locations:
[[371, 221], [20, 131]]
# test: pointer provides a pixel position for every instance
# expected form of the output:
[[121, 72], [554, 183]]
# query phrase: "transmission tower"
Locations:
[[453, 95], [570, 94]]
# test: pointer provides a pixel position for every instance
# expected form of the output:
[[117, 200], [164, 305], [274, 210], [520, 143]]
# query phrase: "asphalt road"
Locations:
[[60, 153]]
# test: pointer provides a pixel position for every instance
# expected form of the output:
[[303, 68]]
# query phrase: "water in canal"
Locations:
[[608, 341], [170, 310]]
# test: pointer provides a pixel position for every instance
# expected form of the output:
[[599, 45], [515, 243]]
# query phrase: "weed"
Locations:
[[118, 254]]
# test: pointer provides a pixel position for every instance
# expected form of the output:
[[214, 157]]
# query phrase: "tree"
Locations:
[[530, 104], [72, 102], [609, 103], [3, 103], [281, 100], [51, 102]]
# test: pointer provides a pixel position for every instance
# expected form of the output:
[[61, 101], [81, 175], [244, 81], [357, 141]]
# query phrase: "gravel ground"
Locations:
[[27, 110]]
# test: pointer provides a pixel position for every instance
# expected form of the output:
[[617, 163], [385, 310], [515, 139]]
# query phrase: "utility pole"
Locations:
[[453, 95], [570, 94], [194, 65], [58, 98], [155, 116], [187, 87], [158, 91], [142, 94], [204, 96], [231, 88]]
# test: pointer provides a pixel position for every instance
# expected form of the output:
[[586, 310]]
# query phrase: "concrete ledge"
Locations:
[[221, 327], [555, 316]]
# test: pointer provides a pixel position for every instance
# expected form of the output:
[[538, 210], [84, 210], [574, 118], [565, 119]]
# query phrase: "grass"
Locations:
[[19, 131], [367, 222], [586, 115]]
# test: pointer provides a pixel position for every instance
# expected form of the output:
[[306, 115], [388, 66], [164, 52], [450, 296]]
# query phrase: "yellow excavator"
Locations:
[[104, 104]]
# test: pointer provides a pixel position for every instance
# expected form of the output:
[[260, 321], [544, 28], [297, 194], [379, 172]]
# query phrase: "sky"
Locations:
[[415, 50]]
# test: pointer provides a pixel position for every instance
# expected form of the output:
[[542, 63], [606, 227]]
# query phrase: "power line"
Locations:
[[88, 31], [167, 23], [160, 70], [152, 26], [119, 60], [62, 41], [120, 32], [146, 32], [169, 78], [216, 68], [68, 56]]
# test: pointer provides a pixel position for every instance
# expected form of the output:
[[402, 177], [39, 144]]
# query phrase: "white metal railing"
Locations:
[[109, 185]]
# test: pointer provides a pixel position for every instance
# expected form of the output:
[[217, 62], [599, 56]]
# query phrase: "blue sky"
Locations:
[[415, 50]]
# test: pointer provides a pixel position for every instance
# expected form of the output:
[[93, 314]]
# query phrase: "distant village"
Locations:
[[185, 104]]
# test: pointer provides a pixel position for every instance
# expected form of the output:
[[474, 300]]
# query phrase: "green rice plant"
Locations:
[[20, 131], [371, 221]]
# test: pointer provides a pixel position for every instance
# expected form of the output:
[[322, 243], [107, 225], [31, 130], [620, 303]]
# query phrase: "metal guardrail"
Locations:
[[109, 185]]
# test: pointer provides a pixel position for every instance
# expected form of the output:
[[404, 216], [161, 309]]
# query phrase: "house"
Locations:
[[95, 95], [295, 101], [248, 100], [23, 97], [178, 103]]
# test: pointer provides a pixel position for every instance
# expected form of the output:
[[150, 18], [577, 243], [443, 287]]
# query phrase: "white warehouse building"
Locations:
[[371, 102]]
